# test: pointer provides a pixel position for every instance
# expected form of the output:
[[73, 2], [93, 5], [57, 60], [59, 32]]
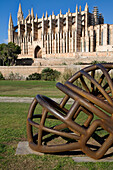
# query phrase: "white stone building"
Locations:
[[52, 36]]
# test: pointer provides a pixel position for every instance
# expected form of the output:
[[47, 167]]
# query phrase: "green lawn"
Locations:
[[29, 88], [13, 129]]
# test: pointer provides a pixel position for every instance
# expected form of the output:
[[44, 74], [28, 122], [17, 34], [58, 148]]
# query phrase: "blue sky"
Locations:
[[40, 6]]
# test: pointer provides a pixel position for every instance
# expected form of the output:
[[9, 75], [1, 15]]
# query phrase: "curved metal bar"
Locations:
[[107, 77], [98, 86], [83, 102], [90, 97]]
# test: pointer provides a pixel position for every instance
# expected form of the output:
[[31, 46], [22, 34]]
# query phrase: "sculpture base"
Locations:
[[24, 149], [88, 159]]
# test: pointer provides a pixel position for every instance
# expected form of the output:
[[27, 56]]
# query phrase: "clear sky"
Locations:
[[41, 6]]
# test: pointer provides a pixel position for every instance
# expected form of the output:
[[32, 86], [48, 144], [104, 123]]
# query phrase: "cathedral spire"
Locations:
[[86, 7], [20, 13], [32, 13], [77, 8], [10, 20], [20, 8]]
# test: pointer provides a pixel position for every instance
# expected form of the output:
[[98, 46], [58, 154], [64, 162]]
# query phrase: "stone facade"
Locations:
[[61, 35]]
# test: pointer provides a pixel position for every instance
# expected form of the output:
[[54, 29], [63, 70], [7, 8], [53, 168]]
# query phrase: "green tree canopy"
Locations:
[[9, 53]]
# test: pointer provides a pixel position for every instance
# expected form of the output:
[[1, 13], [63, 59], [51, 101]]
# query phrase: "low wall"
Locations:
[[27, 70]]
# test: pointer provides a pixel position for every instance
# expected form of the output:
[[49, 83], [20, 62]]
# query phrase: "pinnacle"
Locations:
[[46, 14], [20, 8], [36, 19], [76, 8], [32, 13], [43, 15], [36, 16], [86, 7], [20, 13], [69, 10], [53, 13], [80, 8], [10, 19]]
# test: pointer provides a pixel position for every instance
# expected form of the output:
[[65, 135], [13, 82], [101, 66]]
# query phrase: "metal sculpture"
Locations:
[[92, 92]]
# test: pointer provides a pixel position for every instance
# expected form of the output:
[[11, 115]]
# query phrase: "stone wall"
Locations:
[[71, 58], [62, 59], [27, 70], [59, 62]]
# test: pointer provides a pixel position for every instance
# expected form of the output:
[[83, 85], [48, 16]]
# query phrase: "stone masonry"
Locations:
[[62, 35]]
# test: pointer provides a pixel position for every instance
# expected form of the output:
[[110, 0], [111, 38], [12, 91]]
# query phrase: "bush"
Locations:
[[49, 74], [15, 76], [1, 76], [79, 63], [34, 76], [97, 62], [64, 63]]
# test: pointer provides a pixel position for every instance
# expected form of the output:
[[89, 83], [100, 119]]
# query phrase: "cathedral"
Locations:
[[62, 34]]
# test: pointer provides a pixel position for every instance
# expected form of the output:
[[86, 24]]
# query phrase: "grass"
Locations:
[[13, 129], [29, 88]]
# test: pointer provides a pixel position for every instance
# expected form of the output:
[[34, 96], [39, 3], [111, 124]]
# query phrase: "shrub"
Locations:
[[64, 63], [1, 76], [97, 62], [15, 76], [79, 63], [49, 74], [34, 76]]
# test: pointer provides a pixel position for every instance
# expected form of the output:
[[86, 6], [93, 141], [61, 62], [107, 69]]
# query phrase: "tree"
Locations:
[[9, 53], [13, 51], [3, 53]]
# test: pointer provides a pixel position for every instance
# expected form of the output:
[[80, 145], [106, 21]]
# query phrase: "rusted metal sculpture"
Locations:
[[92, 91]]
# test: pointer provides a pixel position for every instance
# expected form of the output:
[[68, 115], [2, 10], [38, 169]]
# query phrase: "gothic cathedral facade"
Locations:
[[52, 36]]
